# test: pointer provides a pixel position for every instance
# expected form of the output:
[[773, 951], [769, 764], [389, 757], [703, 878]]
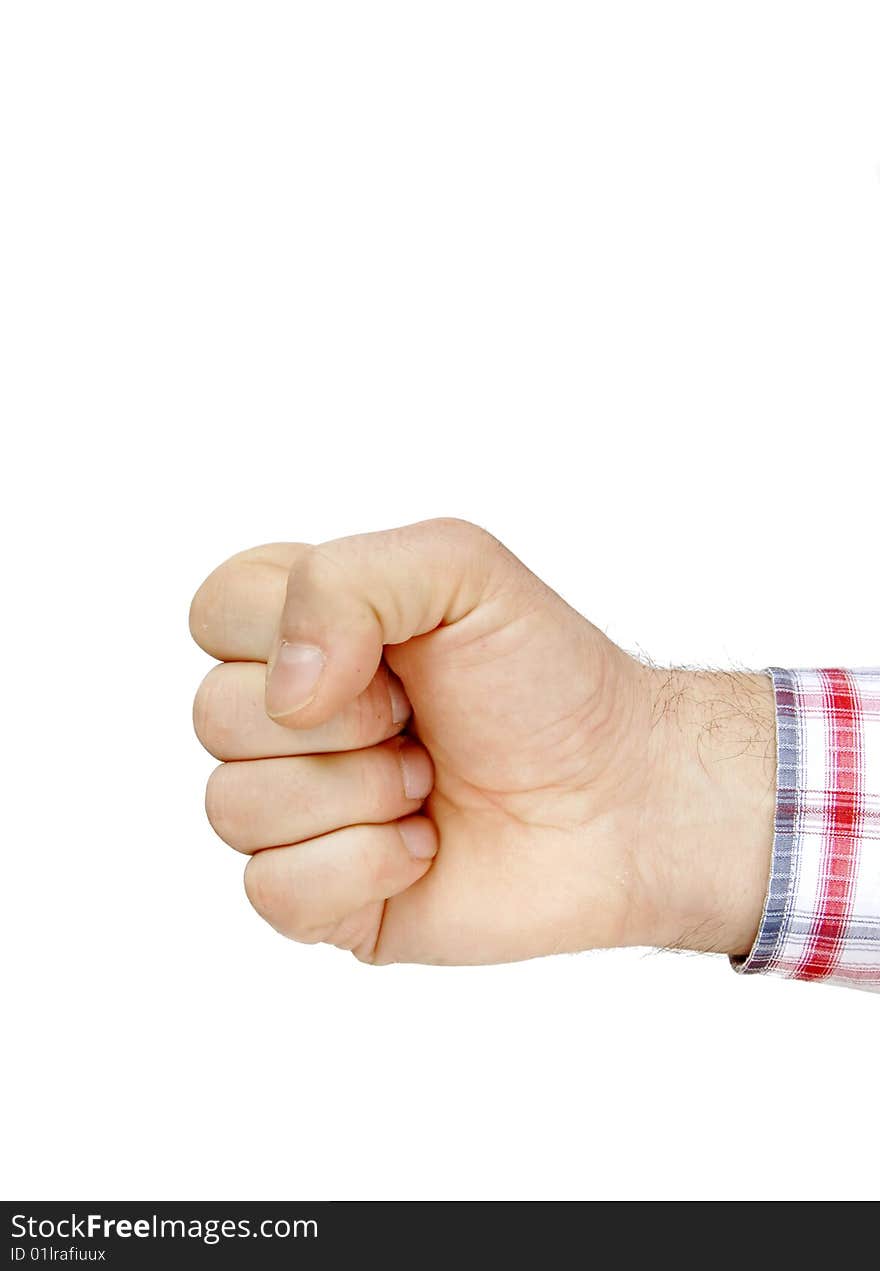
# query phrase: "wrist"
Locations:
[[710, 807]]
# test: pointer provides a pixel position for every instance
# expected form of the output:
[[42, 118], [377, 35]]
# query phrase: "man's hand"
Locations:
[[544, 792]]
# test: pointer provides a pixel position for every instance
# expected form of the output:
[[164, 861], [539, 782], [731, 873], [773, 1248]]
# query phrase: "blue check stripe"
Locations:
[[776, 920], [821, 916]]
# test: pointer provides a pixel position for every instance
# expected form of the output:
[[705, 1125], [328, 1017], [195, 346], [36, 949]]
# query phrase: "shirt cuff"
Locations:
[[821, 918]]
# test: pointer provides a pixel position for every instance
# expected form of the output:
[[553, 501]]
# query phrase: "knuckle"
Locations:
[[263, 893], [206, 605], [215, 716], [471, 542], [306, 571], [220, 806], [197, 614], [256, 888], [205, 712], [287, 910], [459, 530], [215, 800]]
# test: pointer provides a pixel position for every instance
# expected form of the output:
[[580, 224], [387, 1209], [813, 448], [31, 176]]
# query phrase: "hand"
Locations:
[[544, 792]]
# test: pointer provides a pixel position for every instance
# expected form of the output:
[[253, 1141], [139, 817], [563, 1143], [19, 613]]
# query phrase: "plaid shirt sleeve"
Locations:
[[821, 917]]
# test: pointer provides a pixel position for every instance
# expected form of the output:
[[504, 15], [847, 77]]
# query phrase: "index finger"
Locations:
[[234, 614]]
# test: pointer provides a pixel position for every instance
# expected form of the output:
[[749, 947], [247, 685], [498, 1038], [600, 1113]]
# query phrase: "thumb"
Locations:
[[348, 598]]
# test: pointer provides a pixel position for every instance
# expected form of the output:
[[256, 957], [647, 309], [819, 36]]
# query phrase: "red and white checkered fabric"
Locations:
[[821, 917]]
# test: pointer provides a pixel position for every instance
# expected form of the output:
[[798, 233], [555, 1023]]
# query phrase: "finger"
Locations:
[[234, 614], [266, 802], [332, 888], [229, 715], [348, 598]]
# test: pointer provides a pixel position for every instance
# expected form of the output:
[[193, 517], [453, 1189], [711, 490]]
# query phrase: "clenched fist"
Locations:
[[430, 757]]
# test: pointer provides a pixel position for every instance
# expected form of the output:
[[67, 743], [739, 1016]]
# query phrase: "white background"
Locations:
[[604, 277]]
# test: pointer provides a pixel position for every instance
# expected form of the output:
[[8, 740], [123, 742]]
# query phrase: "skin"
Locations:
[[478, 774]]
